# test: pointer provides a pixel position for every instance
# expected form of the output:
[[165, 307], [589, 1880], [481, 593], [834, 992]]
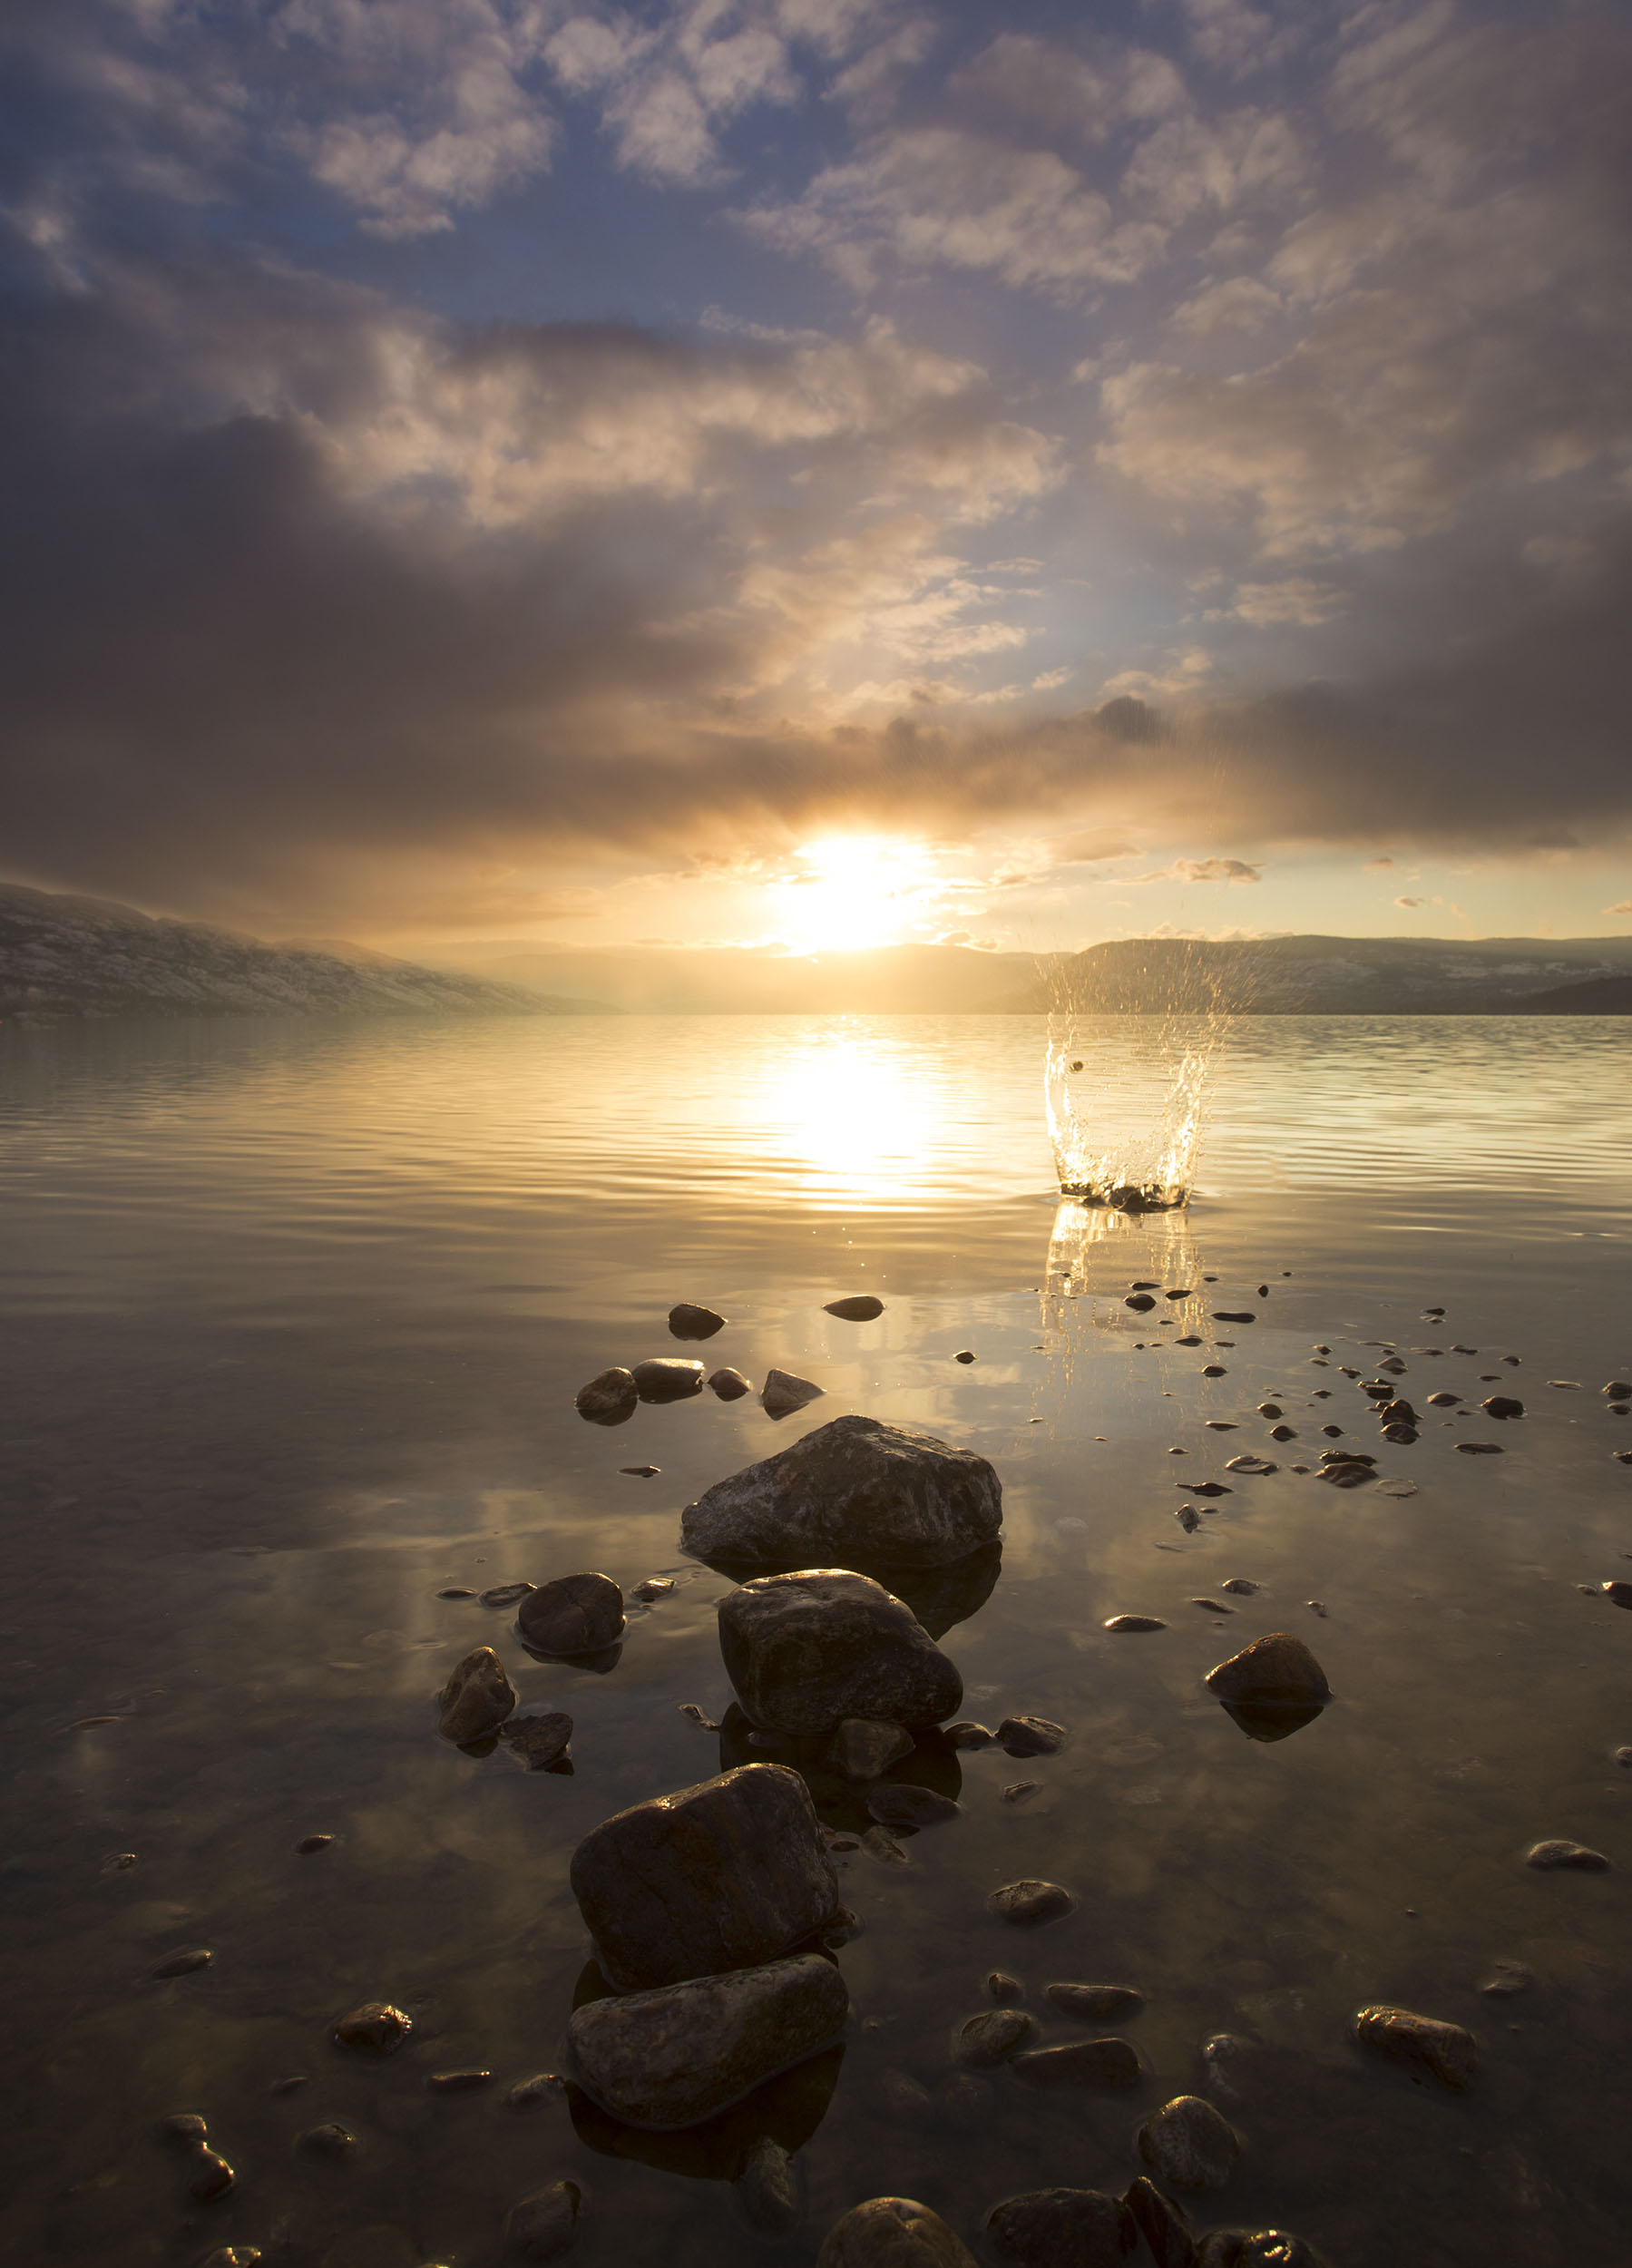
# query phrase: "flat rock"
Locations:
[[856, 1307], [806, 1650], [863, 1747], [1103, 2063], [1188, 2145], [892, 2233], [731, 1385], [539, 1741], [542, 2226], [610, 1397], [1028, 1904], [1420, 2045], [853, 1488], [1163, 2225], [375, 2028], [1570, 1857], [1095, 2004], [784, 1392], [1136, 1622], [897, 1804], [1259, 1465], [185, 1964], [675, 2057], [478, 1698], [1061, 2228], [688, 1321], [667, 1378], [981, 2041], [1278, 1668], [575, 1614], [724, 1875], [1031, 1737]]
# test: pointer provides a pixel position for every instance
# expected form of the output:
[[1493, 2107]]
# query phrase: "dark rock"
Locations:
[[640, 1473], [543, 2087], [1507, 1979], [721, 1876], [879, 1843], [184, 1964], [1420, 2045], [539, 1741], [688, 1321], [966, 1354], [610, 1398], [1479, 1449], [1006, 1990], [1397, 1413], [653, 1588], [1209, 1488], [1031, 1737], [1234, 1315], [1269, 1410], [981, 2041], [1095, 2004], [1404, 1434], [1443, 1401], [806, 1650], [1188, 2145], [1241, 1586], [1502, 1405], [894, 1804], [855, 1486], [1030, 1903], [1617, 1592], [1061, 2228], [1017, 1791], [505, 1594], [209, 2175], [1258, 1465], [1140, 1302], [857, 1307], [575, 1614], [456, 1592], [1261, 2248], [1282, 1433], [1105, 2063], [1215, 1370], [184, 2126], [667, 1378], [1188, 1518], [784, 1392], [1278, 1668], [730, 1384], [328, 2140], [862, 1748], [1623, 1756], [703, 1723], [1163, 2225], [309, 1845], [291, 2083], [767, 2190], [966, 1734], [478, 1698], [1136, 1622], [375, 2028], [892, 2233], [1572, 1857], [680, 2054], [544, 2224], [462, 2082]]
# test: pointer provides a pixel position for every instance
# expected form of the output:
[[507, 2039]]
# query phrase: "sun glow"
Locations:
[[850, 891]]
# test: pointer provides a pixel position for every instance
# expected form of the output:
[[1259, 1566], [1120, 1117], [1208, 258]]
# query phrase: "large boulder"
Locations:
[[724, 1875], [855, 1488], [677, 2055], [807, 1650]]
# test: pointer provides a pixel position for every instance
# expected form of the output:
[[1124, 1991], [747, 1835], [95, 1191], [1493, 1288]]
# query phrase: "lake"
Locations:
[[295, 1315]]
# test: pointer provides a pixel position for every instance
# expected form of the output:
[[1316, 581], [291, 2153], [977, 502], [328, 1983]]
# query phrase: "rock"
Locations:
[[1398, 1413], [308, 1846], [539, 1741], [724, 1875], [184, 2126], [575, 1614], [1031, 1737], [1206, 1488], [544, 2224], [1502, 1405], [1188, 1518], [1061, 2228], [857, 1307], [892, 2233], [1278, 1669], [703, 1723], [879, 1843], [1422, 2045], [1163, 2225], [233, 2256], [1029, 1904], [1136, 1622], [1575, 1857], [478, 1698], [1617, 1592], [209, 2175], [1241, 1586], [1259, 1465], [1214, 1370], [863, 1747], [981, 2041], [461, 2082], [667, 1378], [687, 1321], [454, 1591], [966, 1734], [609, 1399], [853, 1488], [653, 1588], [894, 1804], [1261, 2248], [783, 1392], [1623, 1756], [1443, 1401], [1479, 1449], [1188, 2144], [766, 2189], [1095, 2004], [640, 1473], [505, 1594], [1507, 1979], [806, 1650], [1283, 1433], [184, 1964], [730, 1384], [543, 2087], [965, 1355], [375, 2028], [1233, 1315], [1107, 2063], [674, 2056], [1017, 1791], [330, 2141], [1140, 1302], [1005, 1988], [1402, 1433], [1347, 1472], [1269, 1410]]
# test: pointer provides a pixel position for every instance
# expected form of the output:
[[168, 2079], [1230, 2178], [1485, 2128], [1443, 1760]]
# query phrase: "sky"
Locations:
[[818, 473]]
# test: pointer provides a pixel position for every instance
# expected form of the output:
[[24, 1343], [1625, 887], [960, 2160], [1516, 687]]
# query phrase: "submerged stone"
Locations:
[[478, 1698], [807, 1650], [1061, 2228], [1030, 1903], [1422, 2045], [1188, 2145], [1099, 2063], [981, 2041], [544, 2224], [1094, 2004]]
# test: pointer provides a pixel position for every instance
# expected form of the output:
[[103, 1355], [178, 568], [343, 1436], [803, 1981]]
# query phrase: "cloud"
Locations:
[[1293, 599], [1624, 908], [1377, 865], [1227, 870]]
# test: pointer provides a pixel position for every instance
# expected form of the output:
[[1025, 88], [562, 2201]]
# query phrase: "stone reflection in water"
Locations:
[[940, 1596], [1272, 1720], [841, 1803], [786, 2110]]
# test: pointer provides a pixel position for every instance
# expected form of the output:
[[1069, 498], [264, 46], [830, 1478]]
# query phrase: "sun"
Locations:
[[851, 891]]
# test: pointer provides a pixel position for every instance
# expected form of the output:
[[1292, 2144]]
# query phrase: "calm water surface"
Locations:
[[294, 1317]]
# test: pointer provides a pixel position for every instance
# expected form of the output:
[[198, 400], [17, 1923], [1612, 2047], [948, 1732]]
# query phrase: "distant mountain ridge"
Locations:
[[62, 958]]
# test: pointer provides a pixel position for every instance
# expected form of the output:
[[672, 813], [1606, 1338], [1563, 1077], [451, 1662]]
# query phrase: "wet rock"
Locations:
[[184, 1964], [1209, 1488], [879, 1843], [856, 1307], [1278, 1668], [1136, 1622], [1617, 1592], [1479, 1449], [731, 1385], [309, 1845], [1443, 1401], [640, 1473], [981, 2041], [892, 2233], [1031, 1737], [1100, 2063], [807, 1650], [854, 1487], [1623, 1756], [1618, 1390], [464, 2081], [609, 1399], [1214, 1370], [1282, 1433], [688, 1321], [478, 1698], [784, 1392], [543, 2087], [964, 1733], [653, 1588], [1188, 1518], [1140, 1302], [1507, 1979], [1420, 2045], [1397, 1413], [454, 1591], [1260, 2248], [542, 2226], [1570, 1857], [1241, 1587], [1403, 1434], [375, 2028], [291, 2083], [233, 2256], [894, 1804], [722, 1876], [1017, 1791], [1188, 2145], [504, 1595], [1269, 1410], [1030, 1903], [862, 1748], [667, 1378], [209, 2175], [1164, 2225], [538, 1741], [765, 2190], [703, 1723], [575, 1614], [1259, 1465], [1005, 1988], [184, 2126], [1502, 1405], [671, 2057], [1095, 2004], [965, 1355], [330, 2141], [1061, 2228]]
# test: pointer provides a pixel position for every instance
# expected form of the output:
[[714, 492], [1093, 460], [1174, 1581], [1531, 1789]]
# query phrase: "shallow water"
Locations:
[[294, 1317]]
